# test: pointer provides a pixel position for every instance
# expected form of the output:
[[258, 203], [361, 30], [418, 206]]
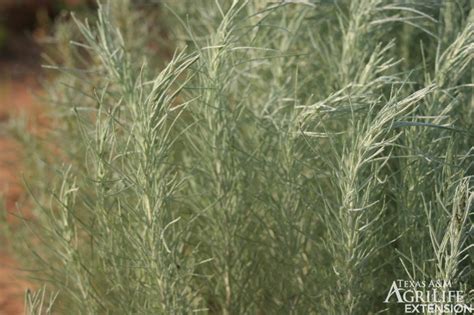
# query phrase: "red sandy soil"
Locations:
[[19, 89], [16, 96]]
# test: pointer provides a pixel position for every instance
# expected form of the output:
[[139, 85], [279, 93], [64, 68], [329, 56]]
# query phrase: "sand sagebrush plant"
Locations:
[[292, 157]]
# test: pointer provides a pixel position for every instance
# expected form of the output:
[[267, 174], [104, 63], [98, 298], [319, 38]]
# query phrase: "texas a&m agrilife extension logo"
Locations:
[[429, 297]]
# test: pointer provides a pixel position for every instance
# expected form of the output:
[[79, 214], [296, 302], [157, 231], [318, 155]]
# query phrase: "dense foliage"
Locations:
[[290, 157]]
